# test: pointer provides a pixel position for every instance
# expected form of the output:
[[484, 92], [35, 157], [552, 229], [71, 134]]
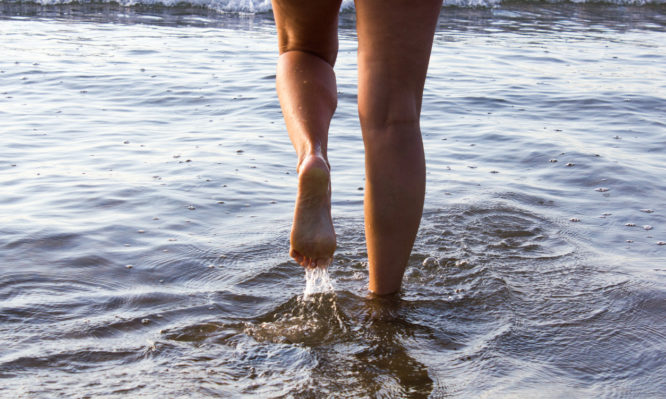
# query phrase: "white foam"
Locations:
[[317, 281], [259, 6]]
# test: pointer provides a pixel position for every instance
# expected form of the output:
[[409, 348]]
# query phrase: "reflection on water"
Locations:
[[148, 190], [358, 341]]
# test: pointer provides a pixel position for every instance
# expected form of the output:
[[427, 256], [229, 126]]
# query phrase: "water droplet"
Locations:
[[601, 189], [129, 266], [661, 242], [552, 160], [574, 220], [141, 231], [191, 207], [145, 321], [570, 164], [647, 227], [430, 262], [630, 224], [647, 210], [630, 241], [126, 142]]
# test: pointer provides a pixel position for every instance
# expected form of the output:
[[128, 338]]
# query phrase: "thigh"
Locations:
[[308, 25], [394, 43]]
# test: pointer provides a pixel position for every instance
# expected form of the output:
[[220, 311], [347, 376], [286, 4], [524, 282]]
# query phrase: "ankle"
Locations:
[[313, 159]]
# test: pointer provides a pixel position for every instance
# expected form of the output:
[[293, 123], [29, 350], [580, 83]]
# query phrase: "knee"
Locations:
[[308, 26], [389, 123], [390, 118], [394, 137], [326, 49]]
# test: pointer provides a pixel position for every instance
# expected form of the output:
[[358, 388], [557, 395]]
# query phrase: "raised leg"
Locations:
[[395, 39], [307, 36]]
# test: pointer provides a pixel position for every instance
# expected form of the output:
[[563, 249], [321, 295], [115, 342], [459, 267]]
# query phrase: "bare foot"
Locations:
[[312, 234]]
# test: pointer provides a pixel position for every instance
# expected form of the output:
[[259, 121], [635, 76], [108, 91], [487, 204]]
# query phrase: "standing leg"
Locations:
[[395, 39], [308, 42]]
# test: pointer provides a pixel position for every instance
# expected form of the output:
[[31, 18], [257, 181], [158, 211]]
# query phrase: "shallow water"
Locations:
[[148, 187]]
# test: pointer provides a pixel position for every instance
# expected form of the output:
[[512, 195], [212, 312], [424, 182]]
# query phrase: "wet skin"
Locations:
[[394, 42]]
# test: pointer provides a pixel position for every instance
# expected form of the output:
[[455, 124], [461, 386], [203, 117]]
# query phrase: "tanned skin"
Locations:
[[394, 43]]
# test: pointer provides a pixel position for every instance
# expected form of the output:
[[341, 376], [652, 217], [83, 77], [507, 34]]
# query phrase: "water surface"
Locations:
[[148, 186]]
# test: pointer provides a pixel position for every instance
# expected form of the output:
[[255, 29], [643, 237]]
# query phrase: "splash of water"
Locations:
[[317, 281]]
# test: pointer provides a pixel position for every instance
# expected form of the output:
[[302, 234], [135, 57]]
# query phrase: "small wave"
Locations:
[[263, 6]]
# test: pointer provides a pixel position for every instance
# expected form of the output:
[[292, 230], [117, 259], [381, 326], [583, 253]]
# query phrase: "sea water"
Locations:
[[148, 187]]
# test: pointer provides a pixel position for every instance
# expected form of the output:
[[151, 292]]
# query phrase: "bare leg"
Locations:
[[395, 39], [307, 34]]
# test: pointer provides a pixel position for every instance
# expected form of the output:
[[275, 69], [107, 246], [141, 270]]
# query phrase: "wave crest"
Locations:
[[261, 6]]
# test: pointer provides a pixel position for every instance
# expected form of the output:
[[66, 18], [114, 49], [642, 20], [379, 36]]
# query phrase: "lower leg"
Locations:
[[308, 96], [307, 92], [394, 195], [395, 38]]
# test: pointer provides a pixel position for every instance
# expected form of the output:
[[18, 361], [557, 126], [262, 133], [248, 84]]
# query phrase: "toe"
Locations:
[[297, 256]]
